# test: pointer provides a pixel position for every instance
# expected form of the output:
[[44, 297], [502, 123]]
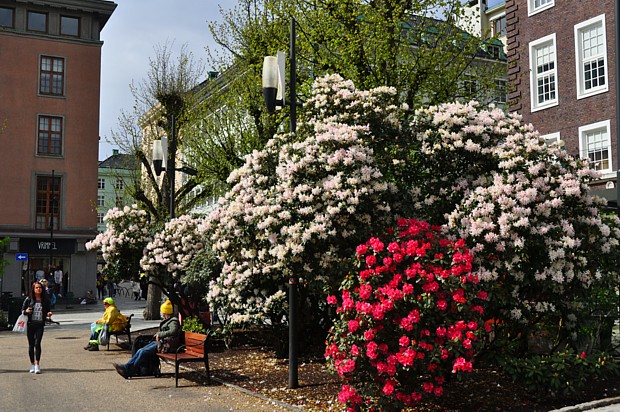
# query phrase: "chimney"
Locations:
[[114, 152]]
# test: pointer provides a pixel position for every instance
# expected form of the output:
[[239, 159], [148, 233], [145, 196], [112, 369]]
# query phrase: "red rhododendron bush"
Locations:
[[411, 316]]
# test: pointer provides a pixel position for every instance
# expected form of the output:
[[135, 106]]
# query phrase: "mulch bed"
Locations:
[[255, 368]]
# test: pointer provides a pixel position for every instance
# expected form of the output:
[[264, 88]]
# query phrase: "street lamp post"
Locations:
[[272, 81], [52, 201]]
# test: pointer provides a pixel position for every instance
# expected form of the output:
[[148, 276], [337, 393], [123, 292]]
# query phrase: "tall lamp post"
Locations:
[[52, 204], [273, 85]]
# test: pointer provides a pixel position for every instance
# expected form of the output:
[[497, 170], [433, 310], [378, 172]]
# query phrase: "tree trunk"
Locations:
[[153, 301]]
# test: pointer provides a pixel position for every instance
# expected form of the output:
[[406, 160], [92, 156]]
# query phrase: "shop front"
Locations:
[[65, 262]]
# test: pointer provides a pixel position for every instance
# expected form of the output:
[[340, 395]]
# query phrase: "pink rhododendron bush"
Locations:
[[168, 258], [301, 205], [126, 235], [410, 316], [541, 242]]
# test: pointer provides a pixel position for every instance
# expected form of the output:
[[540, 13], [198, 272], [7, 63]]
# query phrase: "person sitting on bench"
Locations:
[[167, 339], [112, 317]]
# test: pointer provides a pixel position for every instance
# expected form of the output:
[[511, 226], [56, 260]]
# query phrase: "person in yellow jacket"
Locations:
[[112, 317]]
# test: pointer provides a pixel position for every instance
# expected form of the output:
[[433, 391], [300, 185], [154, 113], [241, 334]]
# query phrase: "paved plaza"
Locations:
[[73, 379]]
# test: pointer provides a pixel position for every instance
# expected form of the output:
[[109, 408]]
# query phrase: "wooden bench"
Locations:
[[126, 331], [195, 349]]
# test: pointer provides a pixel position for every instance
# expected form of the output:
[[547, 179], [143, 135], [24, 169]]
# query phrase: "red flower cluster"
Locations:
[[410, 317]]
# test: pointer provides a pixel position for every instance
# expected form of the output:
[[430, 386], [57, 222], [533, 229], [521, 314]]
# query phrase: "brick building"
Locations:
[[50, 64], [561, 65]]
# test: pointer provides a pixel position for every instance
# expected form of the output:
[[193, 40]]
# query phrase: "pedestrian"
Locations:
[[166, 340], [112, 317], [40, 274], [100, 284], [37, 307], [58, 280], [136, 290], [50, 292]]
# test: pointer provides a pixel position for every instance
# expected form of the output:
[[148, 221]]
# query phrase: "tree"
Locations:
[[374, 43], [163, 102]]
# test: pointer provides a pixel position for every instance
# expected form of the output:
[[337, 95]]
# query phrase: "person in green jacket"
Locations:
[[168, 337]]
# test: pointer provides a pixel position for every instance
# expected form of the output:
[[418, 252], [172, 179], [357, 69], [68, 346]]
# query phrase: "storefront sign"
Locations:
[[45, 246]]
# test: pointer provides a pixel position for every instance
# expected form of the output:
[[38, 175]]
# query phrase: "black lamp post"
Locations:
[[272, 81], [52, 204]]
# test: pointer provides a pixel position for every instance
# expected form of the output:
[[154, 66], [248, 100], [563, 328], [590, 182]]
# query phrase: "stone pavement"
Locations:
[[73, 379]]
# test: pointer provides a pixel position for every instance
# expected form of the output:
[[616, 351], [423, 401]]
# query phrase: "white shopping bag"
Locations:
[[21, 324]]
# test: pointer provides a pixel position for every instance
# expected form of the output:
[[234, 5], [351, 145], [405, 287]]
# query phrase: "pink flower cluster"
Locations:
[[411, 316]]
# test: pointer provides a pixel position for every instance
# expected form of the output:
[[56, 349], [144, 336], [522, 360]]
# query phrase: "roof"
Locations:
[[120, 161]]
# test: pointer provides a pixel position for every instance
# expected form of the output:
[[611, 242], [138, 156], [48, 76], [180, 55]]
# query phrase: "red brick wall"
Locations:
[[570, 113], [19, 106]]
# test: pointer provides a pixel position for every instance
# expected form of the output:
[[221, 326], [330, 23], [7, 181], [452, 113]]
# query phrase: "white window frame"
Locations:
[[533, 47], [551, 138], [101, 183], [497, 96], [532, 9], [581, 91], [100, 200], [583, 154]]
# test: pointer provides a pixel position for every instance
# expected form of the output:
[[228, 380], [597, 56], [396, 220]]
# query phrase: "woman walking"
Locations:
[[37, 307]]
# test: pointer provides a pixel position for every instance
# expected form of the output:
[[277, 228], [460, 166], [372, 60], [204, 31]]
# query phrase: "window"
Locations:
[[499, 26], [119, 202], [470, 86], [6, 17], [100, 200], [551, 138], [37, 21], [52, 76], [99, 218], [119, 184], [50, 136], [69, 26], [543, 86], [48, 203], [536, 6], [100, 183], [501, 95], [591, 57], [595, 146]]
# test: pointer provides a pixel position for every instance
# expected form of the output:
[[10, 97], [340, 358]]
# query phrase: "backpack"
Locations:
[[151, 366]]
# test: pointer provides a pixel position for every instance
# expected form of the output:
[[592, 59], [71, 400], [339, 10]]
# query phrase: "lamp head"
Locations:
[[158, 156], [270, 82]]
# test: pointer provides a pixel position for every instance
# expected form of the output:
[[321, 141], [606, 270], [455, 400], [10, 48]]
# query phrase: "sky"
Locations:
[[129, 39]]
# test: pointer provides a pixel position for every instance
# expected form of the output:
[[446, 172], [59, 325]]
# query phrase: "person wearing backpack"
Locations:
[[168, 337]]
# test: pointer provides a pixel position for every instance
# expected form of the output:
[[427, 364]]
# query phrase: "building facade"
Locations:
[[50, 64], [487, 18], [115, 176], [561, 67]]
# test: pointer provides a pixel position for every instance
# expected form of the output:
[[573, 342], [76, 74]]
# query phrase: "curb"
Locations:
[[258, 395], [589, 405]]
